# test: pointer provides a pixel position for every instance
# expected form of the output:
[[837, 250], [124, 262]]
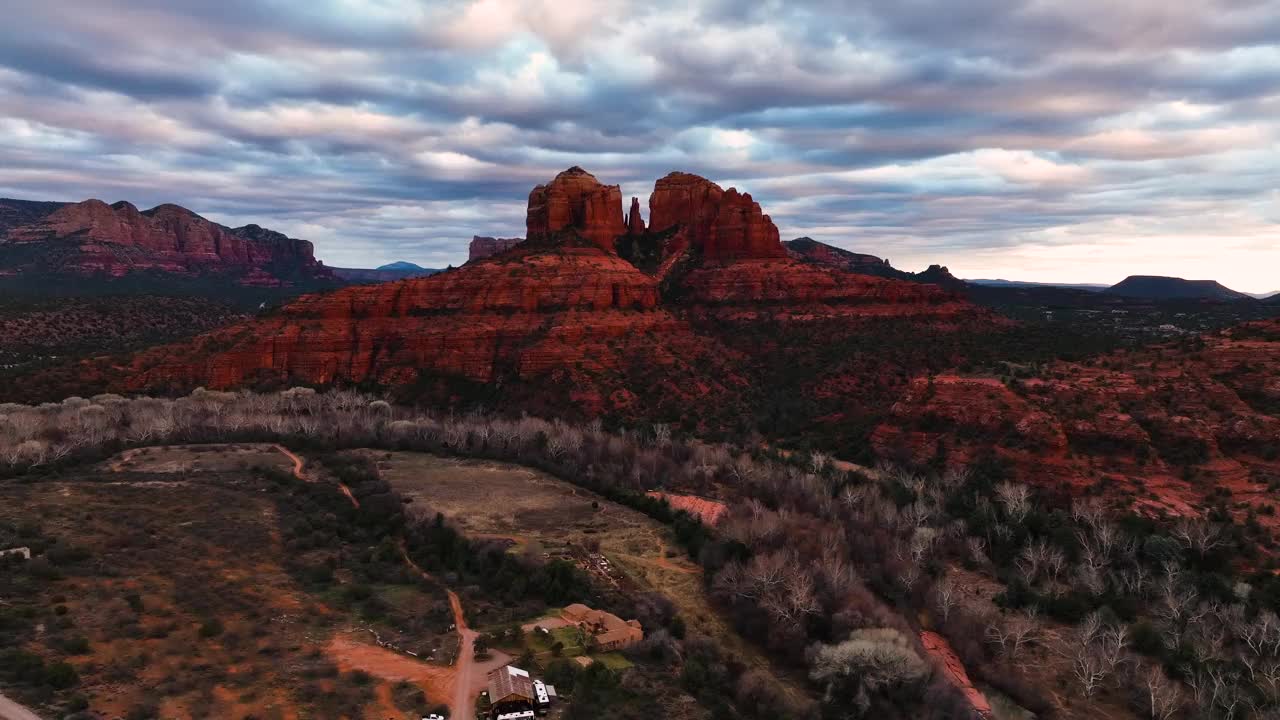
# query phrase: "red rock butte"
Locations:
[[724, 225], [576, 200]]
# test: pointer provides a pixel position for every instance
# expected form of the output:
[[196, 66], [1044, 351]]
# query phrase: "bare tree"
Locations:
[[1014, 634], [1016, 500], [1198, 536], [1164, 696], [946, 595], [1090, 669]]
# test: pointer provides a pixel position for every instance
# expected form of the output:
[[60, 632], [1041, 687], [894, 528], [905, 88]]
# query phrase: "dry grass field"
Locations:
[[541, 514]]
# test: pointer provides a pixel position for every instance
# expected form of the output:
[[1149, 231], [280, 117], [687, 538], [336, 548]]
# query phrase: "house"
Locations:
[[606, 630], [514, 695], [510, 689]]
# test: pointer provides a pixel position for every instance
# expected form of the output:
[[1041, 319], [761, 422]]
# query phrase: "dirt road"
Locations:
[[299, 463], [468, 679], [464, 699], [10, 710]]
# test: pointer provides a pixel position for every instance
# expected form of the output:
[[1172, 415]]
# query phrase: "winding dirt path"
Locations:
[[298, 472], [463, 702]]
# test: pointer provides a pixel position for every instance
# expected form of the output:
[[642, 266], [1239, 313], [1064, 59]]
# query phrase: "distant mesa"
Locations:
[[1155, 287], [401, 266], [390, 272], [92, 238], [483, 247]]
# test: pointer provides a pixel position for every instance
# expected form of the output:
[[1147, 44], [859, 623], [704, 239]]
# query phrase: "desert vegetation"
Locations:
[[107, 324], [1065, 604]]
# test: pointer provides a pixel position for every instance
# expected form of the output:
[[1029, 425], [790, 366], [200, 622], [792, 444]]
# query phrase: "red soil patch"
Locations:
[[437, 682], [708, 511], [940, 650]]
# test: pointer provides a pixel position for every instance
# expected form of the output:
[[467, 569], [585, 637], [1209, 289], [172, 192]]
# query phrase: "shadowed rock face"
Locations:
[[575, 200], [724, 225], [118, 239]]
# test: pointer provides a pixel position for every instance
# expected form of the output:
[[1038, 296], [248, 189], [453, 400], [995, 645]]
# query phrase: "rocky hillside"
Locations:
[[94, 239], [810, 250], [1165, 425]]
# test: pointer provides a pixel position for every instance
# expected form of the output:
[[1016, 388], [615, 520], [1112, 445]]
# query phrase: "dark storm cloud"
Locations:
[[1017, 137]]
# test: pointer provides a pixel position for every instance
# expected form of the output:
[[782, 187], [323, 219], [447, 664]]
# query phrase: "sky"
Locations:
[[1050, 140]]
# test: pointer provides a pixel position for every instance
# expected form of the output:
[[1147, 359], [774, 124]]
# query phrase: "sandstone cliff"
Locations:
[[722, 225], [94, 238], [482, 247], [575, 199]]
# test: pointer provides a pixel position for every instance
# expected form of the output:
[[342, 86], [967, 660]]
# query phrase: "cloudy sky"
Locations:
[[1078, 140]]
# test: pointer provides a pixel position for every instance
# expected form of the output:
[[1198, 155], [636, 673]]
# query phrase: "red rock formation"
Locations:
[[118, 239], [635, 223], [576, 201], [812, 251], [809, 249], [563, 318], [483, 247], [723, 225], [785, 281], [563, 313]]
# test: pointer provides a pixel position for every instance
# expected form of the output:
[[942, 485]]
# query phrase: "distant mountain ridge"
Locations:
[[92, 238], [812, 251], [1158, 287], [1094, 287]]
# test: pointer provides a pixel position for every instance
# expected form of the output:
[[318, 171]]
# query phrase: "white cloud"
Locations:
[[1009, 134]]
